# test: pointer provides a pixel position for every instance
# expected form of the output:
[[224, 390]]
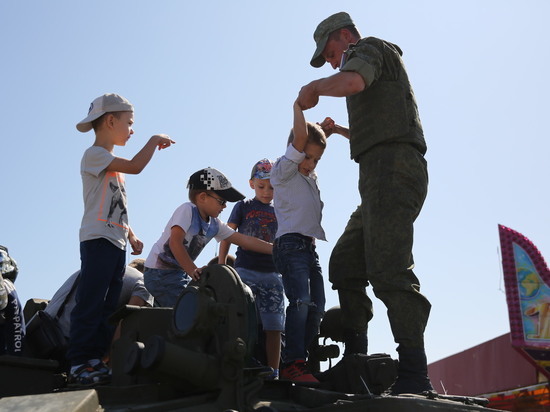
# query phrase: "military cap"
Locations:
[[323, 30]]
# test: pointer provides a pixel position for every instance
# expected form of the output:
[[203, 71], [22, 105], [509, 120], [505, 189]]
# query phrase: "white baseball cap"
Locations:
[[107, 103]]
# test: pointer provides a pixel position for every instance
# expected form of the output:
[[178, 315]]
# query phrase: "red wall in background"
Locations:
[[490, 367]]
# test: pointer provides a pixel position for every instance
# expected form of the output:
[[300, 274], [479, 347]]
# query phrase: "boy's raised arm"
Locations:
[[299, 128]]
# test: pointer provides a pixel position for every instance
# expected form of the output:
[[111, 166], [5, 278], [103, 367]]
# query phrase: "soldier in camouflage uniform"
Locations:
[[387, 141]]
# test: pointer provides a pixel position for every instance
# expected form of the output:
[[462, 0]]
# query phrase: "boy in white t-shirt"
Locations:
[[170, 265], [104, 233]]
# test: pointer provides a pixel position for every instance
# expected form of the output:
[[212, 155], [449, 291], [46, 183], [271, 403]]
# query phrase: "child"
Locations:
[[104, 233], [256, 217], [170, 265], [298, 209]]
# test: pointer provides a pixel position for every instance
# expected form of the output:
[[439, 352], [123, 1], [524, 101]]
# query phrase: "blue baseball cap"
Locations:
[[262, 169]]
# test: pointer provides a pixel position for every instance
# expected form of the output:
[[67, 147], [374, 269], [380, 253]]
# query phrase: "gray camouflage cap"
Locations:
[[323, 30]]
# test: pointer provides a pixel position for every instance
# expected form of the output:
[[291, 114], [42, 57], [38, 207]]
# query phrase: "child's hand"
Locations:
[[196, 274], [327, 125], [163, 141], [137, 245]]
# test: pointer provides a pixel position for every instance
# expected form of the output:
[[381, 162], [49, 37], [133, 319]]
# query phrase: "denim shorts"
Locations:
[[269, 295], [165, 285]]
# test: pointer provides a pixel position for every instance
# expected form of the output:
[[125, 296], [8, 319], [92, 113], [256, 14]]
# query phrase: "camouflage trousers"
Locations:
[[376, 246]]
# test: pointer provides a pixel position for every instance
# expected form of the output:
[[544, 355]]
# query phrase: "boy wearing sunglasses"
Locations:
[[170, 265]]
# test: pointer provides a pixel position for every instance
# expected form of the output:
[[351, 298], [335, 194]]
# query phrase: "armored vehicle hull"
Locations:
[[198, 357]]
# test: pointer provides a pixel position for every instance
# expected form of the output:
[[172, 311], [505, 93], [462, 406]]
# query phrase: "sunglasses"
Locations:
[[222, 202]]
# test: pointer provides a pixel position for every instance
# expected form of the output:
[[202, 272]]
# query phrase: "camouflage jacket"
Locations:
[[385, 111]]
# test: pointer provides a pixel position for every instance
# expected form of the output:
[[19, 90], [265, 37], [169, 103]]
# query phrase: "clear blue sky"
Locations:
[[220, 78]]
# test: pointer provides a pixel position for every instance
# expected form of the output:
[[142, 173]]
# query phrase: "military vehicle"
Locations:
[[199, 357]]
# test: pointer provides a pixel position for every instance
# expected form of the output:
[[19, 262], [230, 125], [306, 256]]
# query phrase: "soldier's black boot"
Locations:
[[412, 373], [355, 342]]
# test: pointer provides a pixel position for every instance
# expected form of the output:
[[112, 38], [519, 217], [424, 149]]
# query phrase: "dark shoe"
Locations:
[[273, 376], [412, 373], [105, 371], [297, 371], [419, 385], [87, 375], [355, 342], [102, 368]]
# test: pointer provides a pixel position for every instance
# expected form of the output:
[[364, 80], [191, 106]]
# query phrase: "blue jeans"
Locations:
[[295, 258], [165, 285], [97, 294]]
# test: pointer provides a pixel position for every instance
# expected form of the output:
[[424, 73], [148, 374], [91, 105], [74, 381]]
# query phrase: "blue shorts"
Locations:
[[165, 284], [269, 295]]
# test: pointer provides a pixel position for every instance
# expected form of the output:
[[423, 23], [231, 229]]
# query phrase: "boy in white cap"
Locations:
[[104, 233], [256, 217], [170, 265]]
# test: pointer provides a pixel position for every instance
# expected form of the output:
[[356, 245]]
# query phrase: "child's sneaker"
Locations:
[[87, 375], [297, 371], [102, 368], [273, 376]]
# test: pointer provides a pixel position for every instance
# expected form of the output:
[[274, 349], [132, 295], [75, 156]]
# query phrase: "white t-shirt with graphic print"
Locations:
[[197, 235], [105, 205]]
